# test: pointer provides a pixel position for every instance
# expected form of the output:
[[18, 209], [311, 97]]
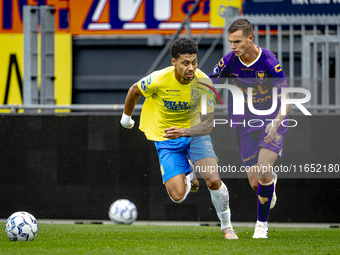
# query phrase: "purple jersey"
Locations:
[[262, 75]]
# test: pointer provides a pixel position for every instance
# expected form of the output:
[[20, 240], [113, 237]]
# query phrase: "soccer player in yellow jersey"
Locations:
[[171, 118]]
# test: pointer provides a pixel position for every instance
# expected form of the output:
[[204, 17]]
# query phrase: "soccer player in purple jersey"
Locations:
[[260, 137]]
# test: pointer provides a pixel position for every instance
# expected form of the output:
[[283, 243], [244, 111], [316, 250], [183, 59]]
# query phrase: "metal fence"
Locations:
[[31, 94], [315, 38]]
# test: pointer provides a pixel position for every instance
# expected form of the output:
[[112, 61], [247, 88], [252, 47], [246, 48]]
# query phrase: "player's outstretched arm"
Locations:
[[130, 103], [204, 128]]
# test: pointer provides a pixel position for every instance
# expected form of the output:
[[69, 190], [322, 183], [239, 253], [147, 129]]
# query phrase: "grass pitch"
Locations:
[[137, 239]]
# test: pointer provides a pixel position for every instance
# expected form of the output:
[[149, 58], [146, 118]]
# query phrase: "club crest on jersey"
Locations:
[[261, 76], [143, 85], [195, 93], [278, 139]]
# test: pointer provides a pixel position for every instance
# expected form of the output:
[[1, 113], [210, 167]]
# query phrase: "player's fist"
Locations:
[[126, 121]]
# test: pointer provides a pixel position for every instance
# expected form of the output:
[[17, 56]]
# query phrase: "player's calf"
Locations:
[[220, 200], [213, 183], [178, 193]]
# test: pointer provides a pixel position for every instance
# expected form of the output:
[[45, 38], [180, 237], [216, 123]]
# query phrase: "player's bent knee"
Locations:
[[177, 198], [213, 183], [179, 201]]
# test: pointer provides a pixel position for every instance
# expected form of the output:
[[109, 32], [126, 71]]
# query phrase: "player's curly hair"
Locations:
[[183, 45], [241, 24]]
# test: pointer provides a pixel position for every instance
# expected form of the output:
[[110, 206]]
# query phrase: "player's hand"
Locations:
[[271, 131], [126, 121], [173, 133]]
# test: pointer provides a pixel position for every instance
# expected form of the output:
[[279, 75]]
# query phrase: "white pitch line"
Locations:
[[191, 223]]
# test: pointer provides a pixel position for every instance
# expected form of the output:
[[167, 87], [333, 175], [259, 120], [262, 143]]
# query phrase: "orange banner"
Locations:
[[112, 16], [11, 14], [136, 16]]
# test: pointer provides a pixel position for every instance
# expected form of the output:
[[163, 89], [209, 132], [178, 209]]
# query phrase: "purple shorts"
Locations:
[[250, 140]]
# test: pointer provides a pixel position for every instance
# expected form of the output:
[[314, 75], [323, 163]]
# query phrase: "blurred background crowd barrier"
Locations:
[[67, 66]]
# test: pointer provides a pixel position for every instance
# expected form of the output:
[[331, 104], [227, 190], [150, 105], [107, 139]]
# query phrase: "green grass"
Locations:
[[131, 239]]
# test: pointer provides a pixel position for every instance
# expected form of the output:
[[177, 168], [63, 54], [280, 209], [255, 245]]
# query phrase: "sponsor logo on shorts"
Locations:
[[273, 144], [250, 157], [278, 139]]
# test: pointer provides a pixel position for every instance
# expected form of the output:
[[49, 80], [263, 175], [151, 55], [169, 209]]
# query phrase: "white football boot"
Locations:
[[261, 231], [229, 233]]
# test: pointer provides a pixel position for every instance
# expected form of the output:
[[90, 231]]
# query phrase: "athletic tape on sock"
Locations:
[[220, 200]]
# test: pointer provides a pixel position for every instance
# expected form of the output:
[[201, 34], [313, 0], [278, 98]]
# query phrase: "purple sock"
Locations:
[[264, 198]]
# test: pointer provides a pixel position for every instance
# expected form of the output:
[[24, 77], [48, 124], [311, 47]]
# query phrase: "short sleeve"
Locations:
[[146, 86]]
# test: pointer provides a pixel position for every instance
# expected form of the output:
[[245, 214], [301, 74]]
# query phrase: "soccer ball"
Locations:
[[21, 226], [123, 211]]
